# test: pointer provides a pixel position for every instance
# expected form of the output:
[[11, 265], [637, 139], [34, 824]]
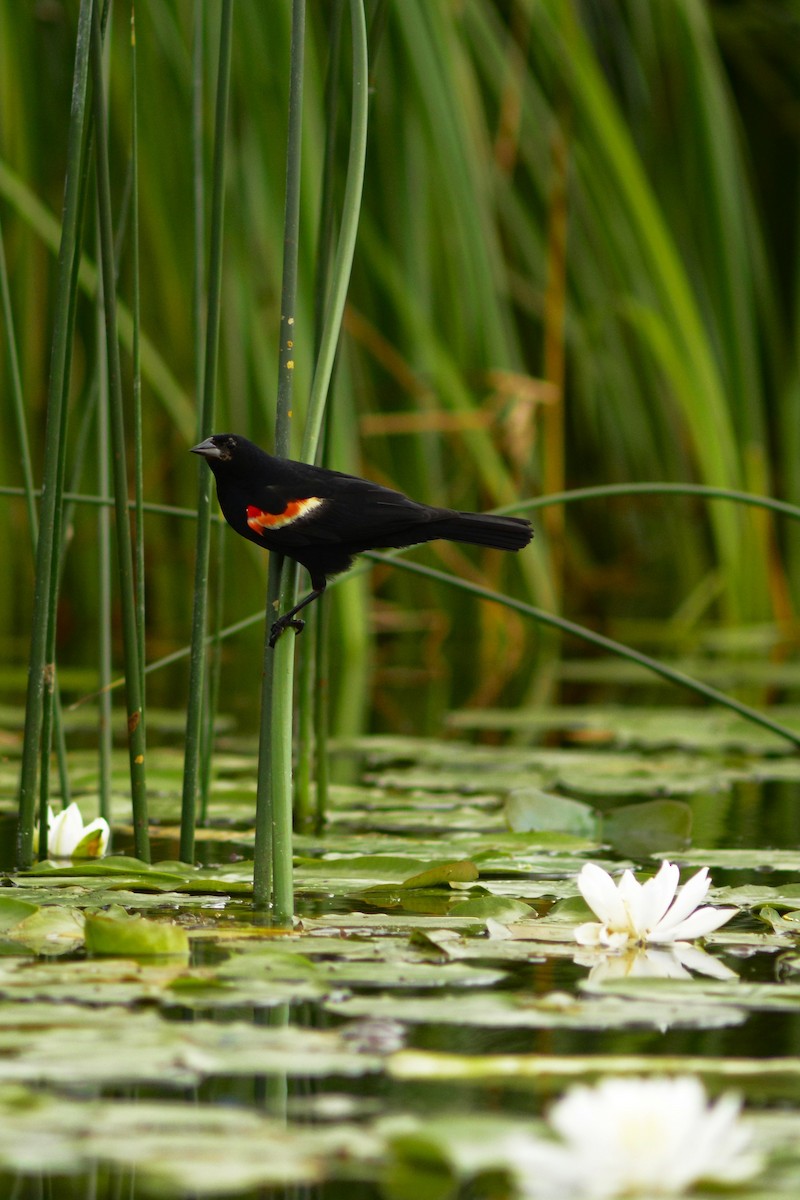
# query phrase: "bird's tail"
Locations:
[[483, 529]]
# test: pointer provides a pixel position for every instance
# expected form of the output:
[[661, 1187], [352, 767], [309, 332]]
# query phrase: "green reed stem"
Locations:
[[46, 556], [312, 717], [130, 634], [105, 740], [62, 517], [194, 713], [351, 209], [138, 440], [29, 491], [214, 672], [280, 759], [18, 399], [273, 883]]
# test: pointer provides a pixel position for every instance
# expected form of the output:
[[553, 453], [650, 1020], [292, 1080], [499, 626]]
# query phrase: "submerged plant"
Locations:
[[657, 911], [637, 1137], [68, 837]]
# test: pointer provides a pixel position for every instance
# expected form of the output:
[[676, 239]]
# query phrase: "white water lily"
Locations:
[[655, 912], [636, 1137], [68, 837]]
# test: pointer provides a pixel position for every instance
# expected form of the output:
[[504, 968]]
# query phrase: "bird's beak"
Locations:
[[207, 449]]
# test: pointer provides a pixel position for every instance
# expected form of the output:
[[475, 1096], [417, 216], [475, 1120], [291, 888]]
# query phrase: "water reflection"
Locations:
[[665, 962]]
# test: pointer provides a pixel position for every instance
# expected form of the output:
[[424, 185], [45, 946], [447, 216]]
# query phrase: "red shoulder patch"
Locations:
[[260, 521]]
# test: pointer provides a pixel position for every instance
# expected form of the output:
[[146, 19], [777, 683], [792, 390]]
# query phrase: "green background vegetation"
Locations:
[[576, 264]]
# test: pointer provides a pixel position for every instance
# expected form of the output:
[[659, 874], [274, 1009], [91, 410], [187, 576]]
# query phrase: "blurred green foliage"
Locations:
[[577, 264]]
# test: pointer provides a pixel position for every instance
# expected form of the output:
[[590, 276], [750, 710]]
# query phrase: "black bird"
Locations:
[[322, 518]]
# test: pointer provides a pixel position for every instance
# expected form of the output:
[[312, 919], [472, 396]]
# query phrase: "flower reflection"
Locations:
[[639, 962]]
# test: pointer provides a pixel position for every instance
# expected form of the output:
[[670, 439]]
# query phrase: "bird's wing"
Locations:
[[349, 511]]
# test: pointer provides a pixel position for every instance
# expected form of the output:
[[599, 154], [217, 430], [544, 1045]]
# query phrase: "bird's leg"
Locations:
[[290, 619]]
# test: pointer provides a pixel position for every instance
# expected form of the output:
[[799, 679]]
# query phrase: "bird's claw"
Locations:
[[282, 623]]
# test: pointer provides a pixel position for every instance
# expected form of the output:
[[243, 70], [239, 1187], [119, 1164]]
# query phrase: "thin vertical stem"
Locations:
[[281, 760], [133, 674], [274, 791], [198, 196], [215, 671], [555, 302], [104, 575], [194, 714], [18, 398], [138, 452], [198, 326], [351, 207], [30, 494], [46, 556], [312, 722]]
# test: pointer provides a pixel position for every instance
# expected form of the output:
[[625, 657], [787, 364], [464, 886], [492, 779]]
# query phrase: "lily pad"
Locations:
[[501, 1010], [529, 809], [639, 830], [118, 933]]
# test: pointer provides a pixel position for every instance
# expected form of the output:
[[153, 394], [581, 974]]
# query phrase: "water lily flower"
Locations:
[[654, 912], [68, 837], [636, 1137]]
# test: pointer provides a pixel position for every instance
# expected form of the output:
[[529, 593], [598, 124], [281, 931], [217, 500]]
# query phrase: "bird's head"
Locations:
[[220, 447]]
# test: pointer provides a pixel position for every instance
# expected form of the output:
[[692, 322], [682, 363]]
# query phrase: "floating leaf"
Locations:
[[52, 929], [484, 907], [14, 910], [118, 933], [462, 871], [529, 809], [639, 830], [554, 1011]]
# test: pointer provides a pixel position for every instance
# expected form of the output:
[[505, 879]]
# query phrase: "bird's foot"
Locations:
[[282, 623]]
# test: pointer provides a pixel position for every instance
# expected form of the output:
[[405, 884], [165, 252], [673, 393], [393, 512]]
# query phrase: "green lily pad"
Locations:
[[529, 809], [175, 1148], [13, 910], [118, 933], [639, 830], [496, 907], [463, 871], [502, 1010]]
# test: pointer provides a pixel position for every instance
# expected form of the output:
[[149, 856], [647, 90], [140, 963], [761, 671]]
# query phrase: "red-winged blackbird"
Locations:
[[323, 518]]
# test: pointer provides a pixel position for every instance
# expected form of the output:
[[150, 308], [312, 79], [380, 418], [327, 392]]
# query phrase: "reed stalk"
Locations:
[[47, 546], [125, 565], [272, 871], [194, 713]]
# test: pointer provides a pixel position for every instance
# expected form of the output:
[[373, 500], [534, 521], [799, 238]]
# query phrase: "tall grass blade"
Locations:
[[314, 661], [28, 485], [104, 575], [127, 583], [46, 554], [138, 438], [273, 885]]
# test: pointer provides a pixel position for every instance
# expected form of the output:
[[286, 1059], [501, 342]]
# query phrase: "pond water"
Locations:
[[432, 977]]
